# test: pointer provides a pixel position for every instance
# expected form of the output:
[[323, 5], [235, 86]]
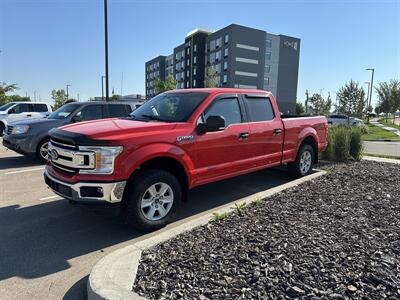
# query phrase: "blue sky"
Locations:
[[48, 44]]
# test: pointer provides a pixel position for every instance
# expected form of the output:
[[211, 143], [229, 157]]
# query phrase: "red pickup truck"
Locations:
[[176, 141]]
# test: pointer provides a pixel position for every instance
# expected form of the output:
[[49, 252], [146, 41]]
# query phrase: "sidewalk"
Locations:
[[394, 130]]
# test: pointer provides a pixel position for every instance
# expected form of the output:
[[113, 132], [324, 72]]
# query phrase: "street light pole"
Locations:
[[102, 87], [370, 87], [106, 47], [68, 85], [368, 106]]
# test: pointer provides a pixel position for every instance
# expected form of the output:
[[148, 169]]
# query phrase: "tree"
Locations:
[[4, 89], [18, 98], [164, 85], [389, 96], [210, 80], [59, 97], [300, 109], [351, 99], [317, 105]]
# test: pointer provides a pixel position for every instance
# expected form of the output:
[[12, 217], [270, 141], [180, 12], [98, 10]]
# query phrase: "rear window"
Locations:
[[119, 110], [40, 108], [259, 109]]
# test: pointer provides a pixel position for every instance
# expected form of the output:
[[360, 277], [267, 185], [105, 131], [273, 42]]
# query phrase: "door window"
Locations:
[[119, 110], [259, 109], [40, 108], [228, 108], [91, 112], [22, 107]]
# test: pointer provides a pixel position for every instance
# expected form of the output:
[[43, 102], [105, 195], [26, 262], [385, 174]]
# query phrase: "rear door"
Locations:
[[119, 110], [40, 110], [221, 153], [91, 112], [266, 130]]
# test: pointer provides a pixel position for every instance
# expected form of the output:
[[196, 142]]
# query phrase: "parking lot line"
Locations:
[[23, 171], [48, 198]]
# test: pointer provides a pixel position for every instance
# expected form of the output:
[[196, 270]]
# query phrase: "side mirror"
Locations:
[[76, 119], [213, 123], [11, 111]]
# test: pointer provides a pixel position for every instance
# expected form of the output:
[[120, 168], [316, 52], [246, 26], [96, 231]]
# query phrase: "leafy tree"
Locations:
[[211, 76], [59, 97], [317, 105], [4, 89], [389, 96], [165, 85], [300, 109], [351, 99], [18, 98]]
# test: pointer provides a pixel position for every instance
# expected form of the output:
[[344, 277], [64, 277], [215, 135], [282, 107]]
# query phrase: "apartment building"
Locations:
[[243, 57]]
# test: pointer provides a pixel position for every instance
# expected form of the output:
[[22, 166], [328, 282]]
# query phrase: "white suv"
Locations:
[[16, 111]]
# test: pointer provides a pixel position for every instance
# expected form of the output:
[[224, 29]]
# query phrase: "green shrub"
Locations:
[[364, 129], [356, 144], [342, 143], [329, 153]]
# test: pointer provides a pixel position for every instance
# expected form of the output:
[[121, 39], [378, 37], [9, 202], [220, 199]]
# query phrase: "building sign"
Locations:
[[290, 44]]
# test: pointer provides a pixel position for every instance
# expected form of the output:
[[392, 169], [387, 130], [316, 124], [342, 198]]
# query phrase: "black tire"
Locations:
[[295, 168], [2, 128], [38, 152], [131, 209]]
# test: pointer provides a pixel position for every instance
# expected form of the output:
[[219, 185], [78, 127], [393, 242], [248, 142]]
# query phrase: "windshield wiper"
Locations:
[[152, 117]]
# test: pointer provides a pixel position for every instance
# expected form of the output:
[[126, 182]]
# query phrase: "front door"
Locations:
[[222, 153]]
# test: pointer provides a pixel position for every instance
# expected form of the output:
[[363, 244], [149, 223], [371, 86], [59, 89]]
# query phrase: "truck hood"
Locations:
[[113, 129], [36, 122]]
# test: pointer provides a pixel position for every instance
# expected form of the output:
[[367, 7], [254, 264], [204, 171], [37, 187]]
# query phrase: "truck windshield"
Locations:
[[64, 111], [170, 107], [6, 106]]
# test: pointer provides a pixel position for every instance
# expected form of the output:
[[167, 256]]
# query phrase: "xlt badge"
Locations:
[[184, 138]]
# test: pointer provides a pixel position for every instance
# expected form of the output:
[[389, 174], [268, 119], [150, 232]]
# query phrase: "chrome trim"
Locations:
[[112, 191], [61, 144], [76, 158]]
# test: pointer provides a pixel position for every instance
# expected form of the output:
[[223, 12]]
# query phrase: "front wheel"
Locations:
[[151, 200], [304, 162], [42, 151]]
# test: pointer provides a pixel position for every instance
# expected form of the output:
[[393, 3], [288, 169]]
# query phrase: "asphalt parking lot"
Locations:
[[48, 246]]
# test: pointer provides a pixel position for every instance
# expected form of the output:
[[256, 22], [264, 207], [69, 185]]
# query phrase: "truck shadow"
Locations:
[[39, 240], [13, 162]]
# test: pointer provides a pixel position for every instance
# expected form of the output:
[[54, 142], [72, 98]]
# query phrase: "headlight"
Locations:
[[104, 158], [19, 129]]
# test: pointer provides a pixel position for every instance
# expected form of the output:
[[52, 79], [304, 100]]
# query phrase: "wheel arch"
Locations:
[[310, 140]]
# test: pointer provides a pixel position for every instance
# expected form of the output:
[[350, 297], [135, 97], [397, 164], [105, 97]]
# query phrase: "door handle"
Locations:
[[277, 131], [243, 135], [28, 115]]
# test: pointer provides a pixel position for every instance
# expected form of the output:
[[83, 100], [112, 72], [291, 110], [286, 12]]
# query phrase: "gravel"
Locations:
[[335, 237]]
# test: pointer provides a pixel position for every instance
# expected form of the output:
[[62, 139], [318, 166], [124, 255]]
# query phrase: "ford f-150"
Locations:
[[176, 141]]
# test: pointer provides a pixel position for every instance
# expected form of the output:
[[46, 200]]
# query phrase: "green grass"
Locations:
[[389, 123], [377, 133]]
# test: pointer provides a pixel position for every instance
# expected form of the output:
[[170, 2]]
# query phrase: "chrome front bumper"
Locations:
[[86, 191]]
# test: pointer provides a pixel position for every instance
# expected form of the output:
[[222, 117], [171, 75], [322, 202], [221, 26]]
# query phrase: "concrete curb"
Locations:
[[382, 159], [113, 276]]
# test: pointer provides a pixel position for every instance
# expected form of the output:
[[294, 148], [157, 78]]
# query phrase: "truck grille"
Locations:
[[68, 158], [9, 129]]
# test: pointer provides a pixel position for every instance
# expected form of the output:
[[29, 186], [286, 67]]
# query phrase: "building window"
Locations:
[[182, 64], [247, 47], [194, 48], [212, 57], [176, 56], [218, 55], [187, 73], [247, 60], [218, 42], [188, 62], [266, 81], [268, 43], [267, 68], [226, 52], [268, 55], [187, 84], [225, 79], [183, 53], [248, 74], [226, 38], [225, 65], [194, 82], [182, 85], [218, 68], [194, 71], [187, 51], [212, 45]]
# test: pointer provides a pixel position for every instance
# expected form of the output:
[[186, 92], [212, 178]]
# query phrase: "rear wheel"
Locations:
[[304, 162], [151, 200], [42, 151]]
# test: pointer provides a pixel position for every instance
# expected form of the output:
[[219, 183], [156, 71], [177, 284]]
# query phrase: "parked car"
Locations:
[[15, 111], [30, 137], [176, 141], [343, 120]]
